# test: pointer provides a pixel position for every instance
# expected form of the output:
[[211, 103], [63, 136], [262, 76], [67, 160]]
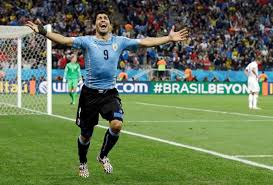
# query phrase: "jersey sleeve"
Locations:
[[129, 44], [79, 42]]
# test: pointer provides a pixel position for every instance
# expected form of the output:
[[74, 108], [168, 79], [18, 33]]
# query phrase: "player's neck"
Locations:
[[103, 37]]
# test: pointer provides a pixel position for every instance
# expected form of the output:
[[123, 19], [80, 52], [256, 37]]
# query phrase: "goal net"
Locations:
[[25, 71]]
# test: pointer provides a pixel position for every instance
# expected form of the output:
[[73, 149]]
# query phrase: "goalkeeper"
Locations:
[[72, 74]]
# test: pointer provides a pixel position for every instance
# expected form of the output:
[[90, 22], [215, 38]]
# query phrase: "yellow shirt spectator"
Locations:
[[161, 65]]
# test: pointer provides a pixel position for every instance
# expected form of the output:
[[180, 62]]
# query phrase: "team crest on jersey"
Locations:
[[115, 46]]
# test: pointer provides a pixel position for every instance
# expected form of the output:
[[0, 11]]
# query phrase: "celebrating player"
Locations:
[[99, 95], [72, 74], [251, 72]]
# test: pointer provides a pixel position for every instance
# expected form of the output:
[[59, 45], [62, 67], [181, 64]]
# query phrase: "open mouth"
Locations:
[[103, 26]]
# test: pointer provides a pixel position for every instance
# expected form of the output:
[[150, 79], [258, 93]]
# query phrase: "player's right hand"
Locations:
[[64, 80]]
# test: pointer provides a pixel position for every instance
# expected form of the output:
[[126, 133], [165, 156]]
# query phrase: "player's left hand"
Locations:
[[181, 35]]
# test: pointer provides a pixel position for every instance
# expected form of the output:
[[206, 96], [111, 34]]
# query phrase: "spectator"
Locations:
[[214, 79], [161, 67], [225, 34], [227, 79], [123, 76], [263, 77], [188, 76]]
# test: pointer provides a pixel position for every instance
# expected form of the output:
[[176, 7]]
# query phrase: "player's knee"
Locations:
[[116, 126], [84, 139]]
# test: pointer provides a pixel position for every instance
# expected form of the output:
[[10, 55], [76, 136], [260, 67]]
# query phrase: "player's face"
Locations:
[[74, 58], [102, 24]]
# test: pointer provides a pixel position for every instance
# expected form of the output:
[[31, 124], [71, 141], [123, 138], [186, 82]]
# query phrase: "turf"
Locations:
[[36, 149]]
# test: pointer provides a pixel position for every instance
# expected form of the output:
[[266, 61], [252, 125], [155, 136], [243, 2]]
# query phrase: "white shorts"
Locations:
[[253, 85]]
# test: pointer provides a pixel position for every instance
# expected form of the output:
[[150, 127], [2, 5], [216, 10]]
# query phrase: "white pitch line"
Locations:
[[253, 156], [217, 154], [204, 110], [229, 157]]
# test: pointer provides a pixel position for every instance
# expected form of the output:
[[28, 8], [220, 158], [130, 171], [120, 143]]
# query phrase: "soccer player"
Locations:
[[251, 72], [72, 74], [98, 94]]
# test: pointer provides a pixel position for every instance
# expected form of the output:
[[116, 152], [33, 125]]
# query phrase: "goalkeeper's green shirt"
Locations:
[[72, 71]]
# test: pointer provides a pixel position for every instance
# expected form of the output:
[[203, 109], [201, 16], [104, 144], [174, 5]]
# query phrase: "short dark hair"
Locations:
[[101, 12]]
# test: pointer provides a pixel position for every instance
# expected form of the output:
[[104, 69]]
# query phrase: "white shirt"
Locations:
[[253, 66]]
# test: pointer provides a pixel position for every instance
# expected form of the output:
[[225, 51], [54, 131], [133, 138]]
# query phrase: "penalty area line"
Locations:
[[210, 152]]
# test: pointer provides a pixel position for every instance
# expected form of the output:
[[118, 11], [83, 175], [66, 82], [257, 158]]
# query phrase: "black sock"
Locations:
[[82, 151], [108, 143]]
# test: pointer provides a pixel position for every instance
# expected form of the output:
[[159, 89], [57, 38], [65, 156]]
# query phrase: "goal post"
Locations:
[[49, 72], [25, 71]]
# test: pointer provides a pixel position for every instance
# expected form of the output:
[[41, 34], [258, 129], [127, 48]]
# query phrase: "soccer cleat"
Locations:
[[106, 164], [256, 108], [83, 170]]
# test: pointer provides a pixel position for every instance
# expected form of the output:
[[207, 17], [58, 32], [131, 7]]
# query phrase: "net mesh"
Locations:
[[33, 76]]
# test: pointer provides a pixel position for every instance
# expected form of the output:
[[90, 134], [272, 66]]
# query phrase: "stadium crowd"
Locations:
[[224, 34]]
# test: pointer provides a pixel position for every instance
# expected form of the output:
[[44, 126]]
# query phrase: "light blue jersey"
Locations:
[[101, 58]]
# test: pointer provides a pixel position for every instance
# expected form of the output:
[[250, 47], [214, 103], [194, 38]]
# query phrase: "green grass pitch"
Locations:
[[41, 150]]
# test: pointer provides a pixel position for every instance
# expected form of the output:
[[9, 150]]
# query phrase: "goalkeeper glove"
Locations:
[[80, 81], [64, 80]]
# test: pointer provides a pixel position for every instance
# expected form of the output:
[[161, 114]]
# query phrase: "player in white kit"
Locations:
[[251, 72]]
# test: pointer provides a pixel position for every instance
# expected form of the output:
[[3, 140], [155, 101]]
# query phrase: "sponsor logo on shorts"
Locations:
[[118, 115], [78, 122]]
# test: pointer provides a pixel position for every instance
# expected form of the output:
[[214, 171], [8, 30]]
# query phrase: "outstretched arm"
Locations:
[[55, 37], [173, 36]]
